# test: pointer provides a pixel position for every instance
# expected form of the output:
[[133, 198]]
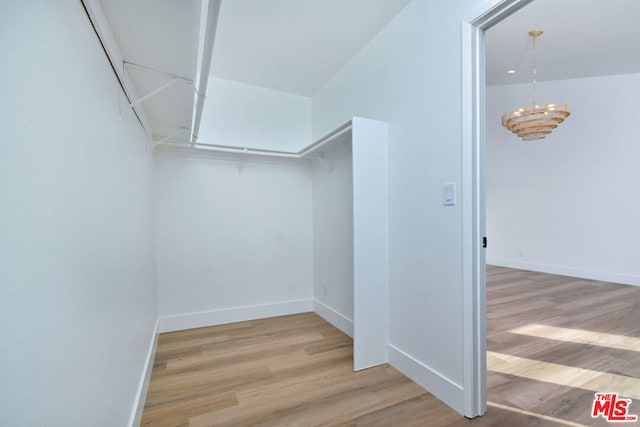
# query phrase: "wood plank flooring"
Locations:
[[553, 341], [297, 370]]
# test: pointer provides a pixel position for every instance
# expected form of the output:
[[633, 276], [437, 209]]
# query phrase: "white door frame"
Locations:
[[473, 199]]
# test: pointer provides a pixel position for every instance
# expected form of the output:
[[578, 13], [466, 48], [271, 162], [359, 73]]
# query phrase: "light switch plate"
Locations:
[[449, 194]]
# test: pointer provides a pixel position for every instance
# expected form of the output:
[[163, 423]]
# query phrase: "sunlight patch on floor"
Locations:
[[579, 336], [563, 375]]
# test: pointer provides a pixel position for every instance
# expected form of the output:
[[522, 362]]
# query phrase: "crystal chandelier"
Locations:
[[536, 121]]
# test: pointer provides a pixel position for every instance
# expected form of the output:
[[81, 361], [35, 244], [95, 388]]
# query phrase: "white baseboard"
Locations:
[[336, 319], [624, 279], [437, 384], [179, 322], [143, 386]]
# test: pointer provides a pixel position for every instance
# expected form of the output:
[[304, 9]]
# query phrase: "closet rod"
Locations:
[[314, 146], [208, 27], [98, 21], [251, 151], [305, 152]]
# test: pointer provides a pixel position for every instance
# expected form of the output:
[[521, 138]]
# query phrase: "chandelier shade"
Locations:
[[537, 121]]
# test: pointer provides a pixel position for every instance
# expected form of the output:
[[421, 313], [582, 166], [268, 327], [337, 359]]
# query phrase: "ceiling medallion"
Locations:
[[537, 121]]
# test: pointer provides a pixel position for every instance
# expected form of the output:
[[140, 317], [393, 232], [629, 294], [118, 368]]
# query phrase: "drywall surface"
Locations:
[[569, 203], [409, 75], [243, 115], [370, 243], [229, 241], [77, 297], [333, 233]]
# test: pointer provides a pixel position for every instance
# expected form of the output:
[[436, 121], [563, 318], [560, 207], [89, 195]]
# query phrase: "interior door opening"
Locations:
[[571, 341]]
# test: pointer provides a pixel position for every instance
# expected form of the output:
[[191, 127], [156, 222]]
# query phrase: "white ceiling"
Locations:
[[287, 45], [582, 38], [294, 45], [297, 45], [159, 34]]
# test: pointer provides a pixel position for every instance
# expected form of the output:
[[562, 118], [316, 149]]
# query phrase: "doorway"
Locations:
[[473, 205], [473, 35]]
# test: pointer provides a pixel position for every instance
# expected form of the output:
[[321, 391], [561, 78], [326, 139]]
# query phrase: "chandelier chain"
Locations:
[[534, 70]]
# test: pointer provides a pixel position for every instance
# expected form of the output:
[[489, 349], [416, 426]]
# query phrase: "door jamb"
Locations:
[[473, 200]]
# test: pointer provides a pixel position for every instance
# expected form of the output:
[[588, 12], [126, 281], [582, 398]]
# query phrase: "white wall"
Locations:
[[77, 297], [370, 243], [333, 235], [410, 76], [567, 204], [232, 245], [242, 115], [350, 221]]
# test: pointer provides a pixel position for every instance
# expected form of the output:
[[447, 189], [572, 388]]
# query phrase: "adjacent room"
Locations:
[[563, 249], [257, 212]]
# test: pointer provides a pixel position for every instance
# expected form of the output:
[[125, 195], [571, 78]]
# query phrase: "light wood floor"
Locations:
[[552, 341]]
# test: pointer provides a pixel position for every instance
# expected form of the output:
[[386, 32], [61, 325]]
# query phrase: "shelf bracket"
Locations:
[[328, 168], [155, 92], [168, 137], [243, 160]]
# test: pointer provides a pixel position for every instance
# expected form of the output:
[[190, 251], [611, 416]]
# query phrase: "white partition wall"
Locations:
[[370, 243], [350, 238]]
